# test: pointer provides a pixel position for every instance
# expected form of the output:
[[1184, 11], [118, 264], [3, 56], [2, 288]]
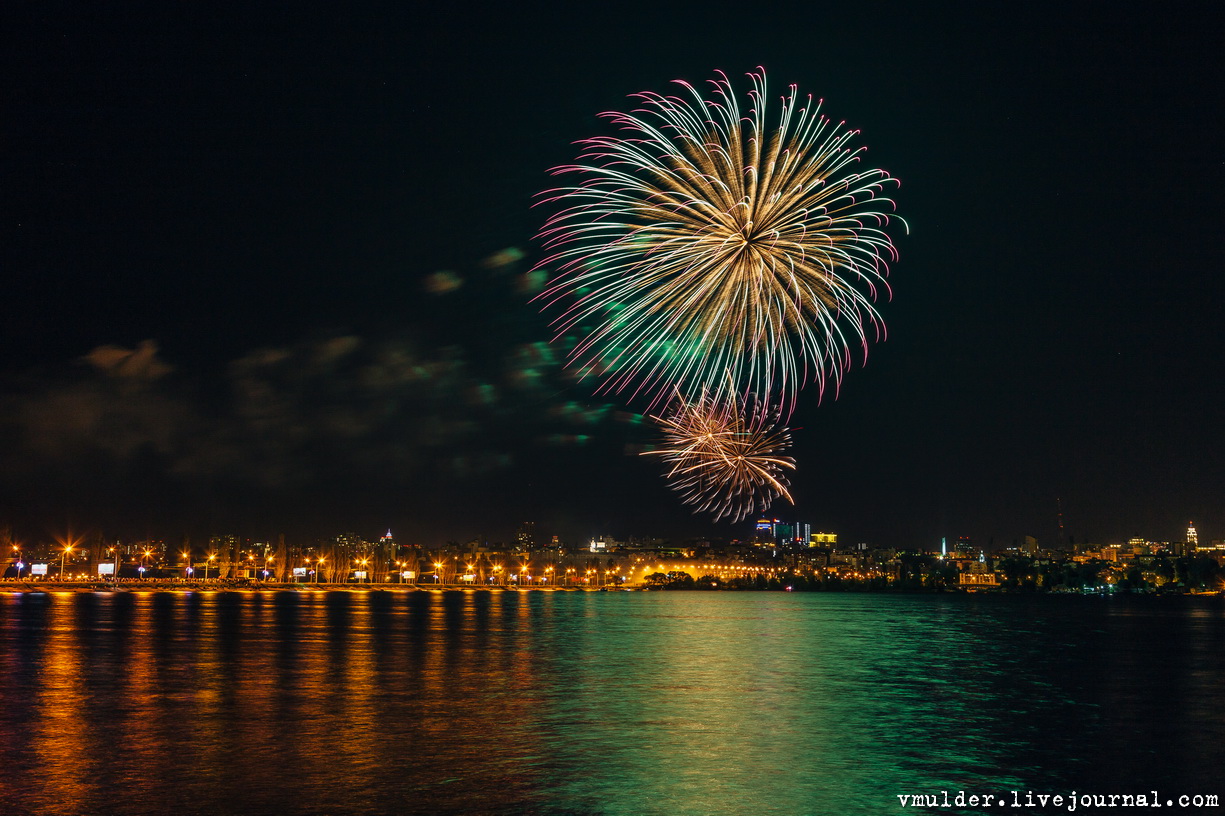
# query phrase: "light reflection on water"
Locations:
[[617, 703]]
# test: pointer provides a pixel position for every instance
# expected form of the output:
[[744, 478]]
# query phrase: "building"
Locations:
[[978, 580], [224, 552], [387, 547], [525, 538], [1214, 550], [962, 547]]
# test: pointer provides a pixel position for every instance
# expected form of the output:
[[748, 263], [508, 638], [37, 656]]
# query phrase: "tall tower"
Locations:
[[1192, 538], [1062, 533]]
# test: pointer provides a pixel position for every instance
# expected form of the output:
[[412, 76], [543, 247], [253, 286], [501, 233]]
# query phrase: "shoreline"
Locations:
[[161, 586], [80, 587]]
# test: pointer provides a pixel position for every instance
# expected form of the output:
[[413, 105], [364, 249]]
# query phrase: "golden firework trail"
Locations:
[[708, 240]]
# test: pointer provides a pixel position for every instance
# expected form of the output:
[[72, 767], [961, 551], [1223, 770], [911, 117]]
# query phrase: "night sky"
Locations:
[[264, 270]]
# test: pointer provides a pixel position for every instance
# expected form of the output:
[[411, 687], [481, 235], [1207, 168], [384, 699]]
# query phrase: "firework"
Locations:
[[724, 454], [706, 240]]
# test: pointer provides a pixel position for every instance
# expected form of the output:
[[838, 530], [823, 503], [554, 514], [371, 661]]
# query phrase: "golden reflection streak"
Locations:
[[60, 734]]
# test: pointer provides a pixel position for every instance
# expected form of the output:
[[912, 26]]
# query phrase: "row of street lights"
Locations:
[[499, 576], [503, 577]]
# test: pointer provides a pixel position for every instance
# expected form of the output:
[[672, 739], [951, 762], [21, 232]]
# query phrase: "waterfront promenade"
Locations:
[[222, 585]]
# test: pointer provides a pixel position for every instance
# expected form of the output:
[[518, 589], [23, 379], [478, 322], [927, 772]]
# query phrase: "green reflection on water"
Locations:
[[719, 703]]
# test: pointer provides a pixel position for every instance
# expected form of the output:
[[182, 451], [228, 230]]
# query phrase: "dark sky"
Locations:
[[222, 233]]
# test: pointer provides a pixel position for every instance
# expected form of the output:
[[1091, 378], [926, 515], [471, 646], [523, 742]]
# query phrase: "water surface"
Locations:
[[597, 703]]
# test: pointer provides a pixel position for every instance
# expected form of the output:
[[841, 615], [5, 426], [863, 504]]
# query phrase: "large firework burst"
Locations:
[[725, 454], [707, 241]]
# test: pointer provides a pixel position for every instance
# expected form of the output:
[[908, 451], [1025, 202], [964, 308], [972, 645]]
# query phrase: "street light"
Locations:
[[208, 563], [64, 558], [437, 573]]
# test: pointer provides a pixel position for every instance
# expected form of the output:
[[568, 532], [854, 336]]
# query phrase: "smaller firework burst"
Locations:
[[724, 453]]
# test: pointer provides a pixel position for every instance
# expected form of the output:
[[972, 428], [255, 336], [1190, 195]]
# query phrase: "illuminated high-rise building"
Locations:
[[350, 544], [525, 538], [387, 546], [765, 528], [1192, 537], [959, 547]]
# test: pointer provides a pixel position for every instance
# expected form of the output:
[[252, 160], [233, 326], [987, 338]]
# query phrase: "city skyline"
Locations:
[[270, 288], [528, 535], [779, 555]]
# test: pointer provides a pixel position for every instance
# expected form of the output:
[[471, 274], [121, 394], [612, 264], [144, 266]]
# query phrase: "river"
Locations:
[[599, 703]]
